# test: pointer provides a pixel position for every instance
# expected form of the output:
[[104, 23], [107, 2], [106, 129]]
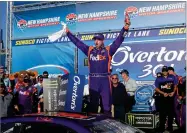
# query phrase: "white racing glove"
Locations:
[[55, 36]]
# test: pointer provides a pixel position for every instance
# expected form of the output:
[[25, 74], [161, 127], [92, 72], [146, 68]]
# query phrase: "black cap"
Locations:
[[124, 71], [40, 76], [171, 68], [99, 36], [164, 69], [45, 72]]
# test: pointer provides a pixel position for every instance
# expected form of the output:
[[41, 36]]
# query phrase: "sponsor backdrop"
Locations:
[[56, 58], [37, 23], [94, 16], [142, 52]]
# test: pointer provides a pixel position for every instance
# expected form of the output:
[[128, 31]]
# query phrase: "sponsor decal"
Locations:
[[172, 31], [71, 18], [38, 23], [141, 120], [93, 16], [131, 119], [25, 42], [22, 24], [155, 10], [97, 57], [74, 95], [162, 55], [76, 80]]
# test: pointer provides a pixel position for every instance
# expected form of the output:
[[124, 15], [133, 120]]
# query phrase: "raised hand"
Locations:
[[127, 21]]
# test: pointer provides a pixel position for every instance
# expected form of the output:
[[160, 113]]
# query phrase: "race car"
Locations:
[[64, 122]]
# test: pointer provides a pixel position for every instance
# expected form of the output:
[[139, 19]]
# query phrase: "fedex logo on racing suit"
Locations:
[[97, 58], [24, 93]]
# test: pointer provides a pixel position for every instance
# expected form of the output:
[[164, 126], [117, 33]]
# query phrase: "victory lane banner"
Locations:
[[65, 94], [161, 32]]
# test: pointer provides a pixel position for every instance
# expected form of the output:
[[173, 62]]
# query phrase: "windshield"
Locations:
[[111, 126]]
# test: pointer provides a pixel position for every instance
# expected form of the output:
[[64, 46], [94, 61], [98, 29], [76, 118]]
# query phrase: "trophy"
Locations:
[[143, 96]]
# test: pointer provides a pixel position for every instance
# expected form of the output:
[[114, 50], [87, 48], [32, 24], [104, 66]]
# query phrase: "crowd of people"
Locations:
[[21, 95], [170, 96]]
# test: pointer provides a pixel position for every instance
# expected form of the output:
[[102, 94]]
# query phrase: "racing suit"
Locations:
[[99, 61], [25, 99]]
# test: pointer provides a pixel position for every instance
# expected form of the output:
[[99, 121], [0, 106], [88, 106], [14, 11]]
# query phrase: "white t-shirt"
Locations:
[[130, 86]]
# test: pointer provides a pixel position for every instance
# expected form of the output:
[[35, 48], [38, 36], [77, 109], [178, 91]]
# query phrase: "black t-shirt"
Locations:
[[119, 94], [166, 84]]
